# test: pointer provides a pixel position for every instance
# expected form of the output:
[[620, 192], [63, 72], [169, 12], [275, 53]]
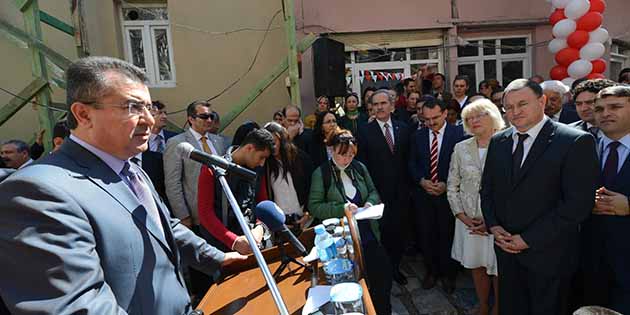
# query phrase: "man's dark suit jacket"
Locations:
[[568, 114], [153, 165], [420, 155], [604, 237], [552, 194], [388, 170], [580, 124]]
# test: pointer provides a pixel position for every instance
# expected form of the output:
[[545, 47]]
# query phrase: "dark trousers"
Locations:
[[199, 281], [379, 276], [522, 291], [392, 233], [437, 226]]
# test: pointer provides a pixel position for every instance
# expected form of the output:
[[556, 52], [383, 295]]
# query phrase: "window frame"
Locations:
[[149, 45], [498, 57]]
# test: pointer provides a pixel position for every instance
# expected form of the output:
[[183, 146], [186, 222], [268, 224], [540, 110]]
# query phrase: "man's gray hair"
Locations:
[[87, 80], [520, 84], [615, 91], [381, 91], [555, 86], [20, 145]]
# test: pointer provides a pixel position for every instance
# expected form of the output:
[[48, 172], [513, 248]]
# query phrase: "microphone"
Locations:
[[273, 217], [185, 149]]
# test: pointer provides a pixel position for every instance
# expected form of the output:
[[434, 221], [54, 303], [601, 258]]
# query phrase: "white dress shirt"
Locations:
[[208, 141], [155, 139], [440, 136], [556, 117], [527, 144], [391, 128]]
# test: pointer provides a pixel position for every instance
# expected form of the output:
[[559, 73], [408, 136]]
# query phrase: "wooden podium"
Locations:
[[244, 290]]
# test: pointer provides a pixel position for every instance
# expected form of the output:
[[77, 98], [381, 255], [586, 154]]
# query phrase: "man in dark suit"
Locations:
[[555, 92], [587, 287], [430, 157], [537, 187], [584, 98], [97, 238], [383, 148], [151, 159], [609, 252]]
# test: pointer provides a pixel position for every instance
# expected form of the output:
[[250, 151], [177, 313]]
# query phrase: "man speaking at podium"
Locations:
[[83, 231]]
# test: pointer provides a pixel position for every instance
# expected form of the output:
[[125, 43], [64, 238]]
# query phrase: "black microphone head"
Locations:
[[184, 149], [270, 214]]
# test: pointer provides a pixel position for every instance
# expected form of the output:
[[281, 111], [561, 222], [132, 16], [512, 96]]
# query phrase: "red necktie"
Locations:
[[388, 138], [434, 157]]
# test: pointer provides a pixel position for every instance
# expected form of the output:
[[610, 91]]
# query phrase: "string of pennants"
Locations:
[[380, 76]]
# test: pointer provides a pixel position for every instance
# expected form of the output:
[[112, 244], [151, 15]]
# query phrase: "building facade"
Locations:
[[198, 49]]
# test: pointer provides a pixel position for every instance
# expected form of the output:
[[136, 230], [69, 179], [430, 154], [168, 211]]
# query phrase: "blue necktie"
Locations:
[[143, 193]]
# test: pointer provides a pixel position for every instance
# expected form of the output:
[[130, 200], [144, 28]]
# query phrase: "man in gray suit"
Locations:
[[85, 229], [181, 174]]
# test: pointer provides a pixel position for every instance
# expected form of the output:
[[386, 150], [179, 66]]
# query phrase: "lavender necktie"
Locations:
[[143, 193]]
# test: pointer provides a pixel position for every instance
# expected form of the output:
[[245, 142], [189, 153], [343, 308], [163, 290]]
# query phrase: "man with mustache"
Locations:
[[84, 231], [15, 154]]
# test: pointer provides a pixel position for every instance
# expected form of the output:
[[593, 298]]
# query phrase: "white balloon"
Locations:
[[564, 28], [576, 9], [599, 35], [561, 4], [592, 51], [580, 68], [568, 81], [557, 44]]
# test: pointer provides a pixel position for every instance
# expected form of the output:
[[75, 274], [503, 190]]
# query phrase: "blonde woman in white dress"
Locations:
[[473, 246]]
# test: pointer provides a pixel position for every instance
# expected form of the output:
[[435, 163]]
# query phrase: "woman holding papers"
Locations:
[[344, 183], [473, 247]]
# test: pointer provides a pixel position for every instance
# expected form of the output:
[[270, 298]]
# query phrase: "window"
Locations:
[[504, 59], [388, 67], [618, 60], [147, 41]]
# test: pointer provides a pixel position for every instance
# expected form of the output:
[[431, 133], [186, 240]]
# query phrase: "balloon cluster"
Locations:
[[579, 39]]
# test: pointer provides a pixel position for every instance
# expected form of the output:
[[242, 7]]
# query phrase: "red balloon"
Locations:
[[594, 76], [567, 55], [590, 21], [578, 39], [598, 6], [557, 16], [599, 66], [558, 72]]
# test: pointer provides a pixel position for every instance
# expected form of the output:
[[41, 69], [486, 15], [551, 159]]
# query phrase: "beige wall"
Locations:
[[206, 63], [16, 65]]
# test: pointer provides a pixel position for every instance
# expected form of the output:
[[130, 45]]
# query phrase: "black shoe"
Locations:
[[448, 285], [399, 277]]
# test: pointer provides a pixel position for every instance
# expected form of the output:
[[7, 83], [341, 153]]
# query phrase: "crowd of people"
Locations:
[[527, 186]]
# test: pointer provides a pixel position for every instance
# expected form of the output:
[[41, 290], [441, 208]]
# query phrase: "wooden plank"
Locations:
[[55, 57], [289, 27], [56, 23], [23, 98], [264, 83], [22, 4]]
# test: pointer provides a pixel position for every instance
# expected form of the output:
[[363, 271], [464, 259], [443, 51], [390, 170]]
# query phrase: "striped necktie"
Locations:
[[388, 138], [434, 157]]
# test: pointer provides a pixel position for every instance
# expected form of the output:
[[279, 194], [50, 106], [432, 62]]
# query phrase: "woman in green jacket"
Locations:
[[342, 183]]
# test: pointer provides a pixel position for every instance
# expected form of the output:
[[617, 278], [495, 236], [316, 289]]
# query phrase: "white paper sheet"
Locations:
[[373, 212]]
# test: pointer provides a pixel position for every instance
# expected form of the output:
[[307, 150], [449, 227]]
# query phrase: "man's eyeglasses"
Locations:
[[205, 116], [134, 108]]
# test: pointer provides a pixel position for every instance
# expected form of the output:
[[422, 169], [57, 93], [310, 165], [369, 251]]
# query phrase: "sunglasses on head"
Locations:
[[344, 139]]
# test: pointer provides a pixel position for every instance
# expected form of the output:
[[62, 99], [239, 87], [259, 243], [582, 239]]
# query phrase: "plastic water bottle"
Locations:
[[326, 249]]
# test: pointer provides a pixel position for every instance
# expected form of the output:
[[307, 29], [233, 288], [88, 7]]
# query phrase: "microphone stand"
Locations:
[[271, 283], [286, 259]]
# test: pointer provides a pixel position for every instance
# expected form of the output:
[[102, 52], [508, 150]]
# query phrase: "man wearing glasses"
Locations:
[[181, 175], [84, 231]]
